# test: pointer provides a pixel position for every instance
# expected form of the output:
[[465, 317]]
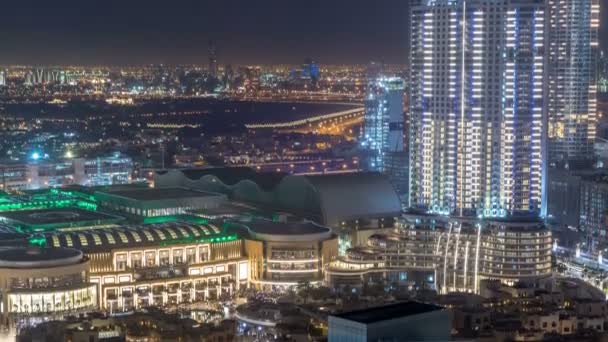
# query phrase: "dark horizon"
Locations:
[[112, 32], [116, 32]]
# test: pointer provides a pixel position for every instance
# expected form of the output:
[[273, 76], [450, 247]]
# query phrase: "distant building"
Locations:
[[383, 131], [602, 73], [579, 199], [563, 197], [310, 69], [306, 77], [594, 207], [116, 169], [228, 79], [572, 87], [383, 126], [212, 59], [409, 321]]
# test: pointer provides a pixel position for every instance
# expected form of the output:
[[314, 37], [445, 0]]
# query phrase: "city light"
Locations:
[[275, 174]]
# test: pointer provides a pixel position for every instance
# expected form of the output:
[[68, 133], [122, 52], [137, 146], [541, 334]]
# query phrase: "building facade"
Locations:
[[284, 254], [383, 127], [477, 106], [44, 282], [453, 256], [34, 175], [573, 50], [594, 209], [406, 321], [158, 264]]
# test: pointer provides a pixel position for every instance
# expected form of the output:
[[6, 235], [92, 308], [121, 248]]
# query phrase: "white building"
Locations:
[[477, 106]]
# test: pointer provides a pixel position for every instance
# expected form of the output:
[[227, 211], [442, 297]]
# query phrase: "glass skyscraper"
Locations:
[[573, 45], [477, 106], [383, 127]]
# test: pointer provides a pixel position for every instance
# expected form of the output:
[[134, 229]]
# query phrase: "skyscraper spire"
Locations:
[[212, 59]]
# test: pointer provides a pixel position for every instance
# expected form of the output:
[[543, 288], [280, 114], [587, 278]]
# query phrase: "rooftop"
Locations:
[[234, 175], [131, 236], [285, 228], [154, 194], [26, 257], [388, 312], [45, 218], [268, 230]]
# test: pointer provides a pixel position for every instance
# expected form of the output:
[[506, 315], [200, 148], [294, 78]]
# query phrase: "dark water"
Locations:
[[211, 114]]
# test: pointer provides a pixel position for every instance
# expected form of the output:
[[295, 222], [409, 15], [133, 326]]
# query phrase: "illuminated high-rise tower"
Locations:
[[383, 127], [571, 70], [477, 106]]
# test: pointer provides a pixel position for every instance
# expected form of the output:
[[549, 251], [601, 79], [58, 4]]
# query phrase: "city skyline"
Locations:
[[304, 170]]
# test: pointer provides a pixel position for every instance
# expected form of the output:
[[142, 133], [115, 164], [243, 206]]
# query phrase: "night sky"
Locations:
[[122, 32]]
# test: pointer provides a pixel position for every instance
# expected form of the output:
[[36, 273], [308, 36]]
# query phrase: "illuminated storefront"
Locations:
[[44, 282], [450, 256], [159, 264], [283, 254]]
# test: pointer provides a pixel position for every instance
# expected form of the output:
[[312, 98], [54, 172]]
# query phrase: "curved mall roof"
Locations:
[[328, 199]]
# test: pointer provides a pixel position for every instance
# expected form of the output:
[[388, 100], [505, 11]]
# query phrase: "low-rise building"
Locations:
[[450, 255], [135, 266], [283, 254], [40, 174], [409, 321], [44, 282], [150, 202]]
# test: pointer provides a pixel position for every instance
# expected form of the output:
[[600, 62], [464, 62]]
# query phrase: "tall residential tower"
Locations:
[[478, 112], [383, 128], [573, 45]]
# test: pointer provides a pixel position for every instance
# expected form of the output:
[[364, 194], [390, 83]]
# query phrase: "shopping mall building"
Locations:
[[209, 234]]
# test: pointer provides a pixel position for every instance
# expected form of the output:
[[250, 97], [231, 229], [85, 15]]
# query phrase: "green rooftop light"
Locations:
[[39, 241], [173, 218]]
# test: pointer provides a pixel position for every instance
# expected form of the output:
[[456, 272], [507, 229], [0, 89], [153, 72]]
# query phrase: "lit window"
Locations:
[[110, 238], [83, 240], [123, 237], [172, 232], [136, 236], [160, 234], [148, 235], [97, 239], [183, 231], [194, 231]]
